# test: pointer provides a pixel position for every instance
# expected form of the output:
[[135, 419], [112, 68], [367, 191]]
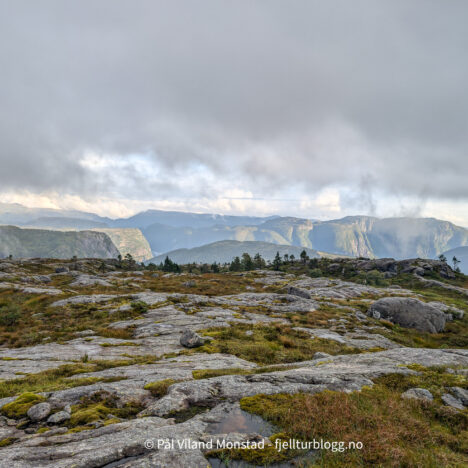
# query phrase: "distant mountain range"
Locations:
[[225, 251], [166, 231]]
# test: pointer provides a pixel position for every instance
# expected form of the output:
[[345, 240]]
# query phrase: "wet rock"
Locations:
[[418, 394], [39, 412], [190, 339], [409, 313]]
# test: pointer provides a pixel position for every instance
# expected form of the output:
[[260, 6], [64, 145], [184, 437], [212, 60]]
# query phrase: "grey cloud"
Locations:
[[307, 92]]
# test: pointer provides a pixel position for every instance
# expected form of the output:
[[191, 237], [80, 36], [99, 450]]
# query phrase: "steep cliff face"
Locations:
[[129, 241], [55, 244]]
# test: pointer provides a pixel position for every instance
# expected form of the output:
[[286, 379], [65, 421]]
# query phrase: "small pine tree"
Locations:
[[455, 262], [235, 264], [215, 268], [443, 258], [277, 261], [246, 262], [258, 261], [304, 257]]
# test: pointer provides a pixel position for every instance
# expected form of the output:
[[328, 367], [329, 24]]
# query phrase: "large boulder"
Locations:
[[409, 313]]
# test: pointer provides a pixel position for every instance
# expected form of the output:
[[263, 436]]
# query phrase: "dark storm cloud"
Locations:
[[314, 92]]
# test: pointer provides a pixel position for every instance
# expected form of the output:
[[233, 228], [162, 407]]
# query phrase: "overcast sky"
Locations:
[[310, 108]]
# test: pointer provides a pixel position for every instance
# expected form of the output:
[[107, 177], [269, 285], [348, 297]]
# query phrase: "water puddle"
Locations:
[[298, 462], [122, 461], [241, 421]]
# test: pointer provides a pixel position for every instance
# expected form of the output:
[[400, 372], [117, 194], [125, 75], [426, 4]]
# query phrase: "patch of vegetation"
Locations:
[[7, 441], [393, 431], [57, 379], [20, 406], [10, 313], [29, 319], [455, 335], [272, 344], [436, 379], [259, 457], [159, 388], [98, 407]]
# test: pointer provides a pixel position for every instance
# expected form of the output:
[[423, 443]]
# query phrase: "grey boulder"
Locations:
[[293, 291], [39, 412], [418, 394], [450, 400], [190, 339], [59, 417], [460, 394], [409, 313]]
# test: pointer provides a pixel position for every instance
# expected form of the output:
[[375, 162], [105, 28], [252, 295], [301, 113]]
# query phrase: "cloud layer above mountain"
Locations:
[[307, 105]]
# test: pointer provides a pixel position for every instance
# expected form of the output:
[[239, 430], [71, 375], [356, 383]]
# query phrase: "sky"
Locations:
[[316, 109]]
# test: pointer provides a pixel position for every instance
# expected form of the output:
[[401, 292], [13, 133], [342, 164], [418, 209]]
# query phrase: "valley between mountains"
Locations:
[[99, 356]]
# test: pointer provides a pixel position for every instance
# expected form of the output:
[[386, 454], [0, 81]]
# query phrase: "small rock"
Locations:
[[190, 339], [39, 411], [189, 284], [460, 394], [30, 430], [85, 333], [58, 417], [418, 394], [61, 270], [67, 409], [249, 332], [320, 355], [452, 401]]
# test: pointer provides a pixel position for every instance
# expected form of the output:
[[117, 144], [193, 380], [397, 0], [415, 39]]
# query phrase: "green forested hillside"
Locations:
[[225, 251]]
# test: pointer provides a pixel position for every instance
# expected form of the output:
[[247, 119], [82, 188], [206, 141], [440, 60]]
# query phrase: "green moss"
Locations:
[[57, 379], [7, 441], [79, 429], [159, 388], [20, 406], [272, 344], [98, 407], [41, 430]]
